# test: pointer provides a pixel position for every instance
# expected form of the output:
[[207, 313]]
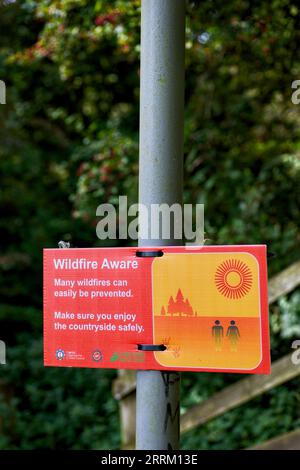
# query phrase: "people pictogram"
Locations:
[[218, 334], [233, 335]]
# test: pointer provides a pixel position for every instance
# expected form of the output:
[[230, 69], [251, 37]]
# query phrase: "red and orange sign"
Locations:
[[208, 305]]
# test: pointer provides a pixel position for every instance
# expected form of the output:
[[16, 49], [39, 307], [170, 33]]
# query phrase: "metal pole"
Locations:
[[160, 181]]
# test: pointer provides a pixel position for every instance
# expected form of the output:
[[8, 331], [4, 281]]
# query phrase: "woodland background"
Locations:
[[69, 142]]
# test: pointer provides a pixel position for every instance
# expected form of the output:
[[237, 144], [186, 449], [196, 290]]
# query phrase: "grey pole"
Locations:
[[160, 181]]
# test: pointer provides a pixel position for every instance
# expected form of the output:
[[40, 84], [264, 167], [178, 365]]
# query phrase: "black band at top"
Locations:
[[149, 254]]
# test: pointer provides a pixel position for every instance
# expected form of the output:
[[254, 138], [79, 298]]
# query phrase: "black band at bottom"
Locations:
[[151, 347]]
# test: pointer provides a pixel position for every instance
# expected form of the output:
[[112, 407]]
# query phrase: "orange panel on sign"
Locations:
[[207, 305]]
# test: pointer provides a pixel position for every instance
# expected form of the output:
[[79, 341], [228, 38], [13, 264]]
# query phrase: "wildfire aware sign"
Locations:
[[207, 305]]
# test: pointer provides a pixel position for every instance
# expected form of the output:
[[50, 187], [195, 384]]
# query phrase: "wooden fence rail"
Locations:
[[239, 393], [284, 282], [288, 441]]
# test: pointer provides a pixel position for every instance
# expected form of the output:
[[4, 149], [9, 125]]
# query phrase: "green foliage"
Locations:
[[288, 316], [241, 125], [69, 142], [276, 412], [55, 407]]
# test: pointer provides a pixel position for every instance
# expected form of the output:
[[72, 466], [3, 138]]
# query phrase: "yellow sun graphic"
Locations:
[[233, 279]]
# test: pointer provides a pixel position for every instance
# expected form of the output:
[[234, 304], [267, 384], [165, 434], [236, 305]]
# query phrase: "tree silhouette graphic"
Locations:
[[180, 306], [188, 308], [171, 306]]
